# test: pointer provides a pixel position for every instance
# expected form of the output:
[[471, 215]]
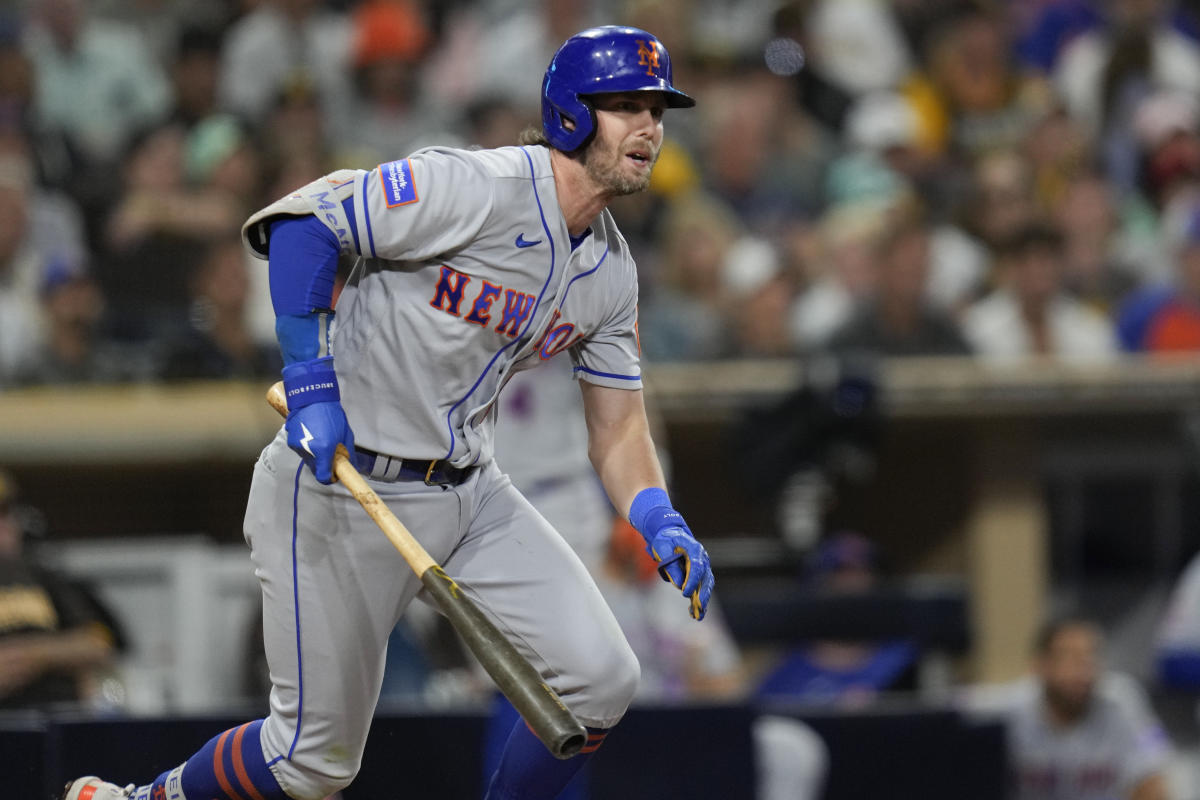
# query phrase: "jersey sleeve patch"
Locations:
[[399, 189]]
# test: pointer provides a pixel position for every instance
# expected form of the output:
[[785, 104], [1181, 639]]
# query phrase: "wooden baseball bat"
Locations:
[[541, 707]]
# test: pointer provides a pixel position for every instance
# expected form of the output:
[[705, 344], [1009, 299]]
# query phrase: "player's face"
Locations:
[[1069, 670], [629, 134]]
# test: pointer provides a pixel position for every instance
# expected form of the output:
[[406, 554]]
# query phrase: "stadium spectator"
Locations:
[[493, 122], [887, 126], [1104, 73], [195, 71], [39, 231], [18, 335], [842, 277], [824, 101], [391, 112], [293, 140], [1167, 129], [1166, 318], [57, 164], [492, 50], [1059, 151], [54, 635], [866, 175], [857, 45], [1001, 197], [181, 191], [280, 42], [1047, 28], [681, 319], [219, 342], [72, 348], [1095, 267], [758, 295], [1029, 313], [897, 319], [759, 150], [94, 79], [223, 165], [40, 226], [890, 158], [979, 98]]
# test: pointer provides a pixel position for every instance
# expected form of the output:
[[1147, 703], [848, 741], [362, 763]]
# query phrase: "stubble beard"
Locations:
[[1068, 706], [604, 161]]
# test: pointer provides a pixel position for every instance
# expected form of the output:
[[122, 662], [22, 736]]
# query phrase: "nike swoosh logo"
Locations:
[[522, 243]]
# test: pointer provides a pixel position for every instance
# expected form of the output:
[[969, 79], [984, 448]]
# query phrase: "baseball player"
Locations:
[[472, 265], [1075, 729]]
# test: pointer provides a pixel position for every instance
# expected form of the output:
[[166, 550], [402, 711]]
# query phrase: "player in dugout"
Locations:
[[56, 638], [472, 265]]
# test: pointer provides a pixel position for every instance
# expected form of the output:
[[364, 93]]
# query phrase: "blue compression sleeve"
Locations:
[[303, 262]]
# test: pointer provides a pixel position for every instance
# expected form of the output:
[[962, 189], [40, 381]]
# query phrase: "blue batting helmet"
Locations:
[[601, 61]]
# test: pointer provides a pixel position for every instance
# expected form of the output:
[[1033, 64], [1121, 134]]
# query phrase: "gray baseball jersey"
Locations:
[[1116, 745], [467, 274]]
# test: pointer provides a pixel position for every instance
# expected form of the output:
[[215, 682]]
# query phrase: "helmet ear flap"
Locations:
[[560, 105], [590, 123]]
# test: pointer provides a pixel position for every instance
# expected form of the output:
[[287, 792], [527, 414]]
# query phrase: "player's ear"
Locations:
[[568, 123]]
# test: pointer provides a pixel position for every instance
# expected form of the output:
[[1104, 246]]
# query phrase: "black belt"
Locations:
[[382, 467]]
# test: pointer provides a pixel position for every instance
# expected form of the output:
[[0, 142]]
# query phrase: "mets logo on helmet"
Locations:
[[647, 56]]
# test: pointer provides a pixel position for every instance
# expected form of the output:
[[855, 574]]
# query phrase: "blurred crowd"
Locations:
[[913, 177]]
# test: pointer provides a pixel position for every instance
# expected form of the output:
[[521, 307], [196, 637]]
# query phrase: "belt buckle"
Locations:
[[429, 473]]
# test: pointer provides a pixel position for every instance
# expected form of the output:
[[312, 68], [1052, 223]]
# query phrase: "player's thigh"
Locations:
[[523, 575], [333, 587]]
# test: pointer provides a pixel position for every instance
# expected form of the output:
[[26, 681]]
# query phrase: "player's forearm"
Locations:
[[77, 648], [80, 648], [623, 456]]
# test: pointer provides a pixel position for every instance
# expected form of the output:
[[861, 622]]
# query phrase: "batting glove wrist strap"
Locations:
[[651, 511], [308, 382]]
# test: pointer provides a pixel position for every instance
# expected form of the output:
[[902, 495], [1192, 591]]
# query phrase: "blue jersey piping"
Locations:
[[296, 601], [608, 374], [571, 282], [367, 215]]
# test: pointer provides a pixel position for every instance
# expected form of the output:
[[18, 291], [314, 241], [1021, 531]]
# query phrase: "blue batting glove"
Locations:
[[316, 423], [682, 560]]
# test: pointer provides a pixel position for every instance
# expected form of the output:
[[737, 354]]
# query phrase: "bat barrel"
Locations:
[[541, 707]]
